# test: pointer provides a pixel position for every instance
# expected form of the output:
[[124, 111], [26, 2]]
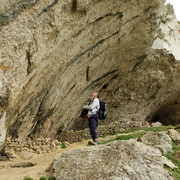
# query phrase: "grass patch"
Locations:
[[137, 135], [43, 178], [130, 136], [178, 130], [154, 129], [28, 178], [47, 178], [176, 160], [175, 172], [132, 130], [63, 146], [112, 134], [125, 137], [51, 178], [157, 129]]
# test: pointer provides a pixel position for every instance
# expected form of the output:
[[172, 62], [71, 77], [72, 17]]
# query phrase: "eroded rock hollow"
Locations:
[[53, 55]]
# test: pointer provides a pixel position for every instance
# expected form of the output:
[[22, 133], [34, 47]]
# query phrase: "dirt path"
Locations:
[[36, 172], [42, 162]]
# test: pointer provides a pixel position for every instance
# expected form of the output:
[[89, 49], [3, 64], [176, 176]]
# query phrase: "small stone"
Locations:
[[8, 139], [53, 144], [26, 155], [45, 148], [39, 151], [47, 140], [30, 150], [169, 163], [17, 149], [66, 143], [57, 143], [19, 140], [50, 168], [36, 148], [175, 136], [157, 124], [38, 139]]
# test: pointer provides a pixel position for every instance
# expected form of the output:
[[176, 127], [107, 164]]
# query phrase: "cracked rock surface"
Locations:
[[117, 160]]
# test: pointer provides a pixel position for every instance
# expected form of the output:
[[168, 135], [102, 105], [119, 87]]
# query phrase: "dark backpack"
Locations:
[[102, 112]]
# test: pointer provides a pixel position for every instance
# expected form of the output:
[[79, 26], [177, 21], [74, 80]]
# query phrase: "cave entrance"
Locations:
[[169, 113]]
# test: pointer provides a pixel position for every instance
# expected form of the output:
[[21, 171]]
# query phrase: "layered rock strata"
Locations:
[[52, 58]]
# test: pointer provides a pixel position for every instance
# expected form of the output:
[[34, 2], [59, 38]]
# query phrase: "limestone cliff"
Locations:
[[53, 56]]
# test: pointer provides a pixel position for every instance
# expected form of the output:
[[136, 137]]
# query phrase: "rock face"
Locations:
[[52, 58], [117, 160]]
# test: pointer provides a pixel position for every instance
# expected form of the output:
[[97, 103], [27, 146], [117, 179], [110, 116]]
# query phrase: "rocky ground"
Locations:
[[35, 167], [36, 158]]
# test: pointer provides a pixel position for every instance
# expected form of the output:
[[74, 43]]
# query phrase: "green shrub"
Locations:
[[43, 178], [63, 146], [48, 178], [28, 178]]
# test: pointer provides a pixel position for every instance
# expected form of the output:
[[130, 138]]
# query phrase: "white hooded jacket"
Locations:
[[93, 107]]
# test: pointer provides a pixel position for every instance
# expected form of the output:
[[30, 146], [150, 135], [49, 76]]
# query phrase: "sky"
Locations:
[[176, 5]]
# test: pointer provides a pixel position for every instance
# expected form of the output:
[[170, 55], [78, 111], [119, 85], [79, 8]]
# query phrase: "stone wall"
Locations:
[[104, 129], [52, 58]]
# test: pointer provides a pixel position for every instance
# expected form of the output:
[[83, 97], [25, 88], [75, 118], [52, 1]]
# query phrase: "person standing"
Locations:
[[93, 108]]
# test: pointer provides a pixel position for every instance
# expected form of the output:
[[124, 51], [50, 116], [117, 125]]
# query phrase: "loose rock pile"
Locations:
[[37, 146]]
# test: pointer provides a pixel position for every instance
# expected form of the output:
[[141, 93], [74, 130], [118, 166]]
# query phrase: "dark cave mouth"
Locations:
[[168, 114]]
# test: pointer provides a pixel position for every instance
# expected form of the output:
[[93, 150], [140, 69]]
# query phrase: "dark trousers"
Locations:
[[93, 123]]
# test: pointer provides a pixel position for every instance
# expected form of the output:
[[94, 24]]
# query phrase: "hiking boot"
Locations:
[[96, 142], [92, 143]]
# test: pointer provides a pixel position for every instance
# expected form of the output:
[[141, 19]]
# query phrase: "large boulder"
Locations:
[[158, 140], [123, 160]]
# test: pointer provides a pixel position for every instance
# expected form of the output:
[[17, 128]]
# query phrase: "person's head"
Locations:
[[95, 95]]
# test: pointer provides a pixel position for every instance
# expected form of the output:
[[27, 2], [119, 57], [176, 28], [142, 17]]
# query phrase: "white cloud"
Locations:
[[176, 5]]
